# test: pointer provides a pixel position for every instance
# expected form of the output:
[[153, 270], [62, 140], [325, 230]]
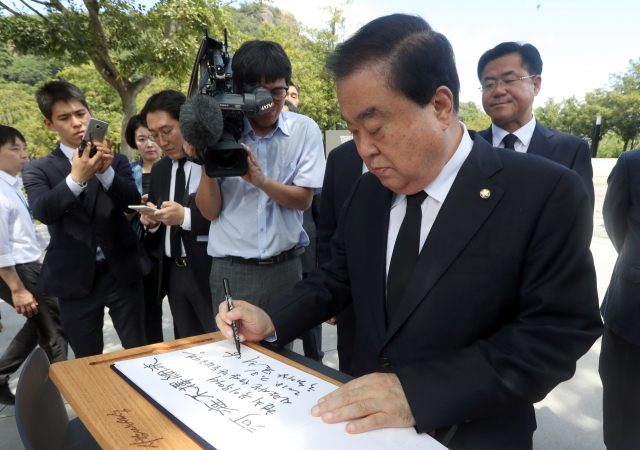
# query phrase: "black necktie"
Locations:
[[510, 141], [178, 195], [405, 253]]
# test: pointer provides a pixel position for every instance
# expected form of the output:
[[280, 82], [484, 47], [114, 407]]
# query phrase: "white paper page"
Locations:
[[252, 402]]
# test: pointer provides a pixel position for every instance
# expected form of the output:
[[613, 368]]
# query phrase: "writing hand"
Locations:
[[254, 175], [252, 322], [331, 321], [377, 400], [83, 168], [144, 199], [171, 214], [24, 303], [146, 219], [107, 155]]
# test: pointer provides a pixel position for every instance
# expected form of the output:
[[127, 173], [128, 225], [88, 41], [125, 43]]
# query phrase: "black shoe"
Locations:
[[6, 396]]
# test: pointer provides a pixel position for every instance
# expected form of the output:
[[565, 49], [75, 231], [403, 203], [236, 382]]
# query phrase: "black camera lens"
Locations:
[[225, 159]]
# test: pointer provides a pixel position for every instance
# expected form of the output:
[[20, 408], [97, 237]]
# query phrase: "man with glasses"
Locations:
[[256, 231], [178, 233], [510, 77]]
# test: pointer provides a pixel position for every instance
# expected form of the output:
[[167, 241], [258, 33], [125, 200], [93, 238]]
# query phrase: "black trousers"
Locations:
[[312, 340], [42, 329], [620, 375], [153, 296], [191, 308], [83, 318], [346, 323]]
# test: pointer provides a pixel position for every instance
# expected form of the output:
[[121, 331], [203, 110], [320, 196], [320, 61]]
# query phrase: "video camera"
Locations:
[[212, 76]]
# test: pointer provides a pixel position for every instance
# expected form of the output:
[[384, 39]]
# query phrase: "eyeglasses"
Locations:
[[279, 93], [490, 86], [165, 136]]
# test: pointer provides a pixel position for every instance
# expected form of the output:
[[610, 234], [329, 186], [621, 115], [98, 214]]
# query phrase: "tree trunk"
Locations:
[[624, 149], [129, 110]]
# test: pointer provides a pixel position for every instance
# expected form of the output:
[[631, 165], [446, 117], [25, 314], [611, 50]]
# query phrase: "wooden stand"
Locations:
[[115, 414]]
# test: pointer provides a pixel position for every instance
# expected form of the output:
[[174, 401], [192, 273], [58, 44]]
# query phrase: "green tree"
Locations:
[[307, 49], [18, 109], [473, 117], [124, 42], [623, 104]]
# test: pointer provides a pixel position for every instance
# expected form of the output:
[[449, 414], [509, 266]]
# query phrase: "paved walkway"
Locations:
[[569, 418]]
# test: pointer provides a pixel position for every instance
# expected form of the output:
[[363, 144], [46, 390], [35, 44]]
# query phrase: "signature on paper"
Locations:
[[140, 439]]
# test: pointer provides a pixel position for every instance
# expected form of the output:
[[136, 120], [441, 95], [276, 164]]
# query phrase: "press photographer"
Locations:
[[256, 232]]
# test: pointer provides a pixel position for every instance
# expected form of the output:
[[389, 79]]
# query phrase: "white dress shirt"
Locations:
[[524, 135], [18, 241], [437, 193], [106, 179]]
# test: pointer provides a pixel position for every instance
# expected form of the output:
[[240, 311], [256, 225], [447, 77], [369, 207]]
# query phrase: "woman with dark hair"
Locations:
[[137, 136]]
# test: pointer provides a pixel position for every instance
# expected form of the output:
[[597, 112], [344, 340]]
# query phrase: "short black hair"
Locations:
[[531, 60], [295, 86], [8, 135], [258, 59], [168, 100], [417, 60], [57, 91], [135, 122]]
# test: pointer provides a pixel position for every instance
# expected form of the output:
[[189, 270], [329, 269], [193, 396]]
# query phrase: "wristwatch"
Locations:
[[81, 185]]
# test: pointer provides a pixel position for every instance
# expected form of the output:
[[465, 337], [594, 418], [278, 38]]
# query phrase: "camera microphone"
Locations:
[[201, 121], [202, 126]]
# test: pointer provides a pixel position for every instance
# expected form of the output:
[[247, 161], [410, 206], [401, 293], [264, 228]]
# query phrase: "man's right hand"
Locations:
[[145, 218], [253, 323], [24, 303], [84, 168]]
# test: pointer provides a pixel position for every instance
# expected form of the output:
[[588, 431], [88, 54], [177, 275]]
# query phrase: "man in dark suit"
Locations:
[[461, 260], [620, 353], [344, 167], [510, 74], [178, 234], [94, 259]]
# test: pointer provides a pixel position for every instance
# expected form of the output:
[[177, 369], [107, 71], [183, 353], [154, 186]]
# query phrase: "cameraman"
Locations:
[[256, 232]]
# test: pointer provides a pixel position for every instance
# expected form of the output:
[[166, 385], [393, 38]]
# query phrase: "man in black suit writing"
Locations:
[[510, 77], [94, 259], [178, 234], [468, 266]]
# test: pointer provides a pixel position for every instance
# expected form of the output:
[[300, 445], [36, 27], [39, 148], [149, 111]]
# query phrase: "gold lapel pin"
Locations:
[[485, 193]]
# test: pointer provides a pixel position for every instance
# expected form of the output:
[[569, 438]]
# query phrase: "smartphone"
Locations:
[[142, 208], [96, 131]]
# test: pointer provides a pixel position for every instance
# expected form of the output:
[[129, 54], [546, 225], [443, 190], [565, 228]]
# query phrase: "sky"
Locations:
[[581, 42]]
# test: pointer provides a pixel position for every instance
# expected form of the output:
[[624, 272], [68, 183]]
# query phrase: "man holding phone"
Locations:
[[94, 259]]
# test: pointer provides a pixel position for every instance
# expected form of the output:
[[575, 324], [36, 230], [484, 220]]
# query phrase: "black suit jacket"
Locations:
[[501, 303], [198, 259], [344, 167], [563, 148], [621, 211], [77, 225]]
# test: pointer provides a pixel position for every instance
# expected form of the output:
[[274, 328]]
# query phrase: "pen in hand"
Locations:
[[227, 294]]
